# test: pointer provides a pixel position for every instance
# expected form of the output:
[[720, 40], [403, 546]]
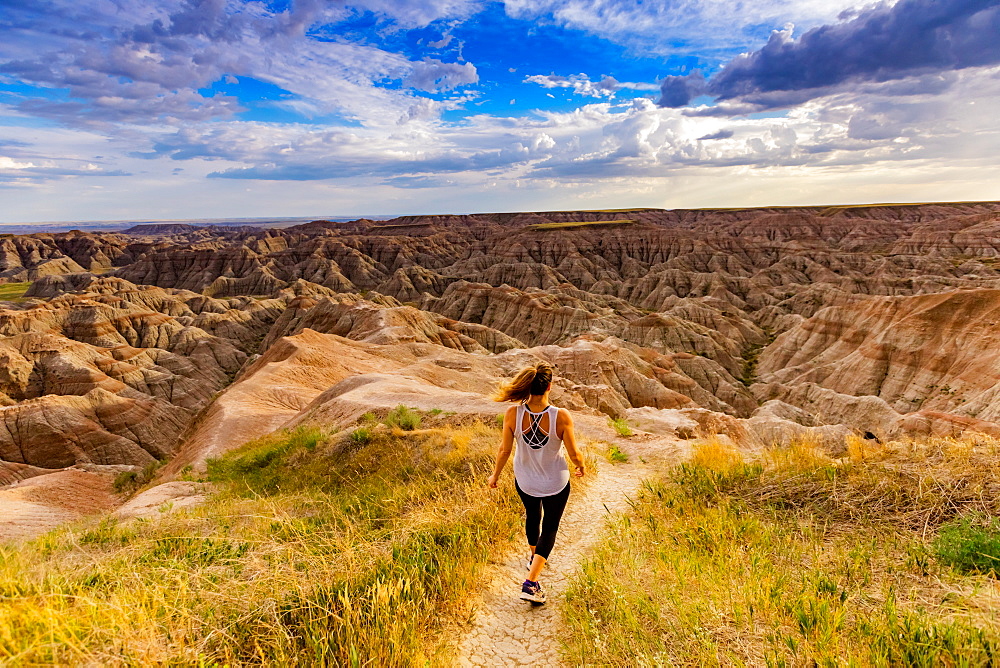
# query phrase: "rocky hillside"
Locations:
[[182, 342]]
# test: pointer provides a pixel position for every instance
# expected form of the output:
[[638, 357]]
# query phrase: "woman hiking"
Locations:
[[541, 475]]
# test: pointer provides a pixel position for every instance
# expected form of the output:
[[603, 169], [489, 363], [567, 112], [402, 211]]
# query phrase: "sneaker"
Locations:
[[531, 558], [532, 591]]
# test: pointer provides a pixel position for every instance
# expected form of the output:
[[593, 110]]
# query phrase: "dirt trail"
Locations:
[[507, 631]]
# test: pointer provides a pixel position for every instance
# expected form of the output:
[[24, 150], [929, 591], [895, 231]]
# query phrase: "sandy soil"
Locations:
[[34, 506]]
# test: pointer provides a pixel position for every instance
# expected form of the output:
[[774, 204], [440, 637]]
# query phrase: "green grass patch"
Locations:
[[404, 418], [129, 482], [615, 455], [318, 549], [791, 560], [621, 426], [543, 227], [362, 435], [970, 544], [751, 358], [13, 292]]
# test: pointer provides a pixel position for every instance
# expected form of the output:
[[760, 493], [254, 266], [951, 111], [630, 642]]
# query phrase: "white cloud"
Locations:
[[604, 140], [418, 13], [434, 76], [135, 110], [582, 85], [672, 26], [146, 64]]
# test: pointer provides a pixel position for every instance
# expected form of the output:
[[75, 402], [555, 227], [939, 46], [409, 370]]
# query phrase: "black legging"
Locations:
[[553, 507]]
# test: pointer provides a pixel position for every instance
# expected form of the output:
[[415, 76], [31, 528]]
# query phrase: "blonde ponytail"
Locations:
[[533, 380]]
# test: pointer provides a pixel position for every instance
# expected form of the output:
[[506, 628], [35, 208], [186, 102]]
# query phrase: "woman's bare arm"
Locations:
[[564, 429], [506, 445]]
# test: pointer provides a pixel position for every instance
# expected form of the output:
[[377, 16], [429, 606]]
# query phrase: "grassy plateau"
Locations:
[[13, 292], [572, 225]]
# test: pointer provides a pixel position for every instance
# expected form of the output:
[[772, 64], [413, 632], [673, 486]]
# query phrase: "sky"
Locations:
[[175, 109]]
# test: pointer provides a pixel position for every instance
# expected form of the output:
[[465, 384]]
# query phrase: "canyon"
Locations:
[[173, 344]]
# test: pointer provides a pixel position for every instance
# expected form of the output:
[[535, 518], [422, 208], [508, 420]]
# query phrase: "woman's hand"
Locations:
[[578, 472], [493, 481]]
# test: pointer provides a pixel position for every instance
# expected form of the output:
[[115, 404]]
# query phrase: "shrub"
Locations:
[[620, 426], [970, 544], [403, 417], [128, 482], [361, 435], [616, 456], [125, 482]]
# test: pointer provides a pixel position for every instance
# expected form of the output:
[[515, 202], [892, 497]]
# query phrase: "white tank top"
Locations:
[[539, 466]]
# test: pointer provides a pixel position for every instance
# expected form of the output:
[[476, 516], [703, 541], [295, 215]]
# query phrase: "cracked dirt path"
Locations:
[[507, 631]]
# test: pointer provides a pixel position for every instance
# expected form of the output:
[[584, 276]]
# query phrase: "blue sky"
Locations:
[[119, 109]]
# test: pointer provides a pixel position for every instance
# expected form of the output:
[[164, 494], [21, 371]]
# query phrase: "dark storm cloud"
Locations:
[[721, 134], [880, 43], [677, 91]]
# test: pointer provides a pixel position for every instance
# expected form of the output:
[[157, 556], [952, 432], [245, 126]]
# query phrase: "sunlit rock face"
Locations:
[[128, 348]]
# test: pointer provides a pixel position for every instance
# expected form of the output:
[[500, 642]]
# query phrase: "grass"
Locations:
[[615, 455], [621, 426], [129, 482], [970, 544], [796, 559], [13, 292], [361, 436], [404, 418], [542, 227], [318, 549], [751, 357]]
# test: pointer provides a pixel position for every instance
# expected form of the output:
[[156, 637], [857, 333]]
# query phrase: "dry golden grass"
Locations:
[[318, 549], [715, 454], [794, 559]]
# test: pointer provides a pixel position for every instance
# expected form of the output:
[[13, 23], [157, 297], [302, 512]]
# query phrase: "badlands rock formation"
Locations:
[[179, 342]]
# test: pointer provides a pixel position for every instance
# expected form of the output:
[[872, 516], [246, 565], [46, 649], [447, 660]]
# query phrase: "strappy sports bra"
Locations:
[[533, 436]]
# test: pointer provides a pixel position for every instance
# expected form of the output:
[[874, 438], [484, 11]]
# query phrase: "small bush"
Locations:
[[616, 456], [620, 426], [970, 544], [128, 482], [403, 417], [361, 436]]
